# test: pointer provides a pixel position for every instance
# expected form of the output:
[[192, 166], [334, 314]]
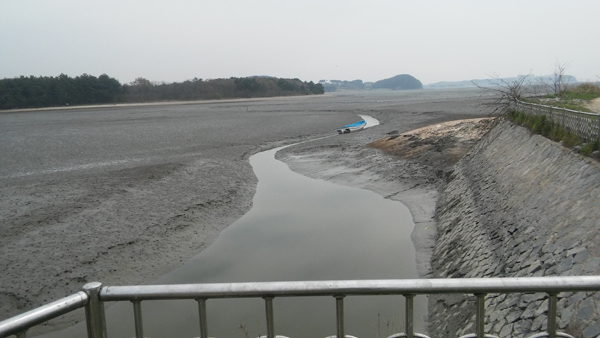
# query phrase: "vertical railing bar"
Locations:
[[202, 317], [270, 322], [480, 316], [598, 131], [552, 302], [94, 311], [339, 312], [409, 315], [137, 318]]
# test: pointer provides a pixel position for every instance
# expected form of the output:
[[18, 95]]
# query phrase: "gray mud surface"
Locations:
[[122, 195]]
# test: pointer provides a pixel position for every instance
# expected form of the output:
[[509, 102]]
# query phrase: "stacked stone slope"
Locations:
[[518, 205]]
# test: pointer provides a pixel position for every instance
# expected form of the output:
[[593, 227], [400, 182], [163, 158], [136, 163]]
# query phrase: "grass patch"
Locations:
[[572, 98], [586, 91], [541, 125]]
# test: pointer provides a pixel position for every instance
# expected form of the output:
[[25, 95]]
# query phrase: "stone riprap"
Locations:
[[517, 205]]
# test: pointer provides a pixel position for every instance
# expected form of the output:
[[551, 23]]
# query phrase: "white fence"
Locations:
[[584, 125]]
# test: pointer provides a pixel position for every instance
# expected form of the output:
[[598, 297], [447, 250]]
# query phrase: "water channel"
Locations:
[[298, 229]]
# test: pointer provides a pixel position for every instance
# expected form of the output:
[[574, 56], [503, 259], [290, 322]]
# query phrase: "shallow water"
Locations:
[[298, 229]]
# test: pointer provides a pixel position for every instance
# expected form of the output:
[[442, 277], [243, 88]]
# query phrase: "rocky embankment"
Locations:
[[517, 205]]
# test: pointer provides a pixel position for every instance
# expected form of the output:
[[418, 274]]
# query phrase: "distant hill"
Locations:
[[403, 81], [494, 82], [399, 82]]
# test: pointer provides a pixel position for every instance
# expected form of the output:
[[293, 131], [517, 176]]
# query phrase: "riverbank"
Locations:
[[518, 205], [408, 167], [124, 195]]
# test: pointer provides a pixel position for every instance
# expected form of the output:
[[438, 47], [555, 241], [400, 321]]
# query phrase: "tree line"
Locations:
[[62, 90]]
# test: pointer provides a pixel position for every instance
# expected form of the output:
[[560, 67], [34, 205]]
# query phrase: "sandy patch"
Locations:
[[446, 142], [593, 105]]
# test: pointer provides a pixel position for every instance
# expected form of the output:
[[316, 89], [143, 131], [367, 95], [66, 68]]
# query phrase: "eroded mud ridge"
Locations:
[[518, 205], [436, 147]]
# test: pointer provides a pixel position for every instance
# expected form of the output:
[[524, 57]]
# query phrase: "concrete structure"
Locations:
[[518, 205]]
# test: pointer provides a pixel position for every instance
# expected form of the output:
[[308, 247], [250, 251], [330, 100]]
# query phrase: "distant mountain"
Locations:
[[399, 82], [494, 82], [403, 81]]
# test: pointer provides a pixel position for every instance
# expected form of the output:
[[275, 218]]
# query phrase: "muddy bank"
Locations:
[[123, 195], [117, 233]]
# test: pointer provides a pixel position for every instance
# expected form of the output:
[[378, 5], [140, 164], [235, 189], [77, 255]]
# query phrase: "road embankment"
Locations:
[[517, 205]]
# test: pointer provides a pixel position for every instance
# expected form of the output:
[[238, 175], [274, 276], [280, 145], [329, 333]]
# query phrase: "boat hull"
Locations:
[[352, 127]]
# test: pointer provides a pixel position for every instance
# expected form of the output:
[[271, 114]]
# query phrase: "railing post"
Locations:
[[480, 317], [270, 322], [339, 312], [137, 317], [94, 311], [552, 301], [598, 131], [202, 316], [409, 315]]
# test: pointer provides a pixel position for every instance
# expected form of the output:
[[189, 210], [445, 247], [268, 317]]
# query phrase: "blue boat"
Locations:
[[352, 127]]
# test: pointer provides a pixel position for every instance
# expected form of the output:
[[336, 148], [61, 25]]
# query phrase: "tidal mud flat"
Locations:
[[123, 195]]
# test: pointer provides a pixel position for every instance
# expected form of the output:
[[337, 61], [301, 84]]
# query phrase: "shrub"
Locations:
[[541, 125], [590, 148]]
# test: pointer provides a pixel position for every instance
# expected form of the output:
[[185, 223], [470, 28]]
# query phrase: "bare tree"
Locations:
[[503, 93], [559, 82]]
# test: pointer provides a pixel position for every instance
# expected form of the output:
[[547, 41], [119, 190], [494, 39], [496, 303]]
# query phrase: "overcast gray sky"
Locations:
[[311, 40]]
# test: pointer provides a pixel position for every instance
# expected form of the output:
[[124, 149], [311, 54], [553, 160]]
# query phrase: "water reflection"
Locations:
[[298, 229]]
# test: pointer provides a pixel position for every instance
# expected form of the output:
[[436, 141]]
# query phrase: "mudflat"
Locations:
[[122, 195]]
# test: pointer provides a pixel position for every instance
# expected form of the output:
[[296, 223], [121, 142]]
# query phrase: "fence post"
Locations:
[[137, 315], [339, 310], [202, 315], [552, 315], [94, 311], [598, 131], [270, 320], [409, 315], [480, 315]]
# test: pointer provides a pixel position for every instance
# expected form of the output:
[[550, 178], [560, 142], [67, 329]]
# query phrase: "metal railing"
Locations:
[[585, 125], [94, 295]]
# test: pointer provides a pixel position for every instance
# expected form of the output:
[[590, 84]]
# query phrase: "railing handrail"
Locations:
[[351, 288], [557, 108], [42, 314], [95, 294]]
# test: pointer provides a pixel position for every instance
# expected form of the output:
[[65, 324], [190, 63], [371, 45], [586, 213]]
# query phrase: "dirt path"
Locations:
[[594, 105]]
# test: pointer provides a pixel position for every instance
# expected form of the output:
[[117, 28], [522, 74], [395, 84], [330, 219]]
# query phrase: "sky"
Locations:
[[173, 41]]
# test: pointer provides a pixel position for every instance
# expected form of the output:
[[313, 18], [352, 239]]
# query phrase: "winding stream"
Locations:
[[298, 229]]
